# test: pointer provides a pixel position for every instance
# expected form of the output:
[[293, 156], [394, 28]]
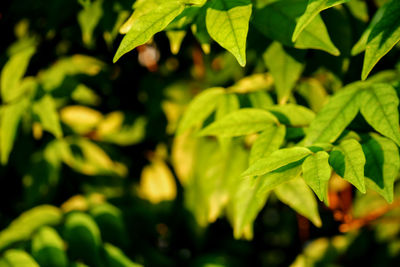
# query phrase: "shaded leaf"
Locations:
[[382, 165], [45, 109], [277, 20], [293, 115], [348, 160]]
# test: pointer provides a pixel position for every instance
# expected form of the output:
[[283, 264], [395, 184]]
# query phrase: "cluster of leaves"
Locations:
[[280, 116], [89, 226], [291, 141]]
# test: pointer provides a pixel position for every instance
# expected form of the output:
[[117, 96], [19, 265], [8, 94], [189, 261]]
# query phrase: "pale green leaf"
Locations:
[[330, 122], [241, 122], [268, 141], [384, 35], [314, 7], [10, 120], [48, 248], [45, 109], [297, 195], [88, 19], [277, 20], [285, 66], [200, 108], [175, 40], [17, 258], [316, 173], [348, 160], [260, 99], [12, 73], [276, 160], [228, 23], [293, 115], [275, 178], [147, 25], [379, 107], [116, 257], [27, 223], [382, 165]]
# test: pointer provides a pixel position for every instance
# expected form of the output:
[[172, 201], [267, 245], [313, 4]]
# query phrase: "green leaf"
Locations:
[[228, 23], [116, 257], [10, 120], [48, 248], [285, 66], [45, 109], [260, 99], [384, 35], [362, 42], [267, 142], [175, 40], [147, 25], [276, 160], [348, 160], [17, 258], [316, 173], [293, 115], [28, 222], [314, 7], [200, 108], [12, 73], [88, 19], [277, 20], [379, 107], [297, 195], [83, 238], [330, 122], [382, 165], [241, 122]]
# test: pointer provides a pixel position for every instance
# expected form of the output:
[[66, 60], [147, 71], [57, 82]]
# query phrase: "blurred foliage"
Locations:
[[140, 162]]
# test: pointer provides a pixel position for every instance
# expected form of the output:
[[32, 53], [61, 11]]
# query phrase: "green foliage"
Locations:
[[236, 116]]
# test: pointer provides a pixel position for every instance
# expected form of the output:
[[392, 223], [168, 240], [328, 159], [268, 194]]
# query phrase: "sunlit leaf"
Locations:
[[285, 66], [240, 122], [147, 25], [316, 173], [48, 248], [12, 73], [314, 7], [330, 122], [227, 23], [384, 35], [45, 109], [296, 194], [379, 107], [27, 223], [199, 109], [276, 160], [17, 257], [267, 142]]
